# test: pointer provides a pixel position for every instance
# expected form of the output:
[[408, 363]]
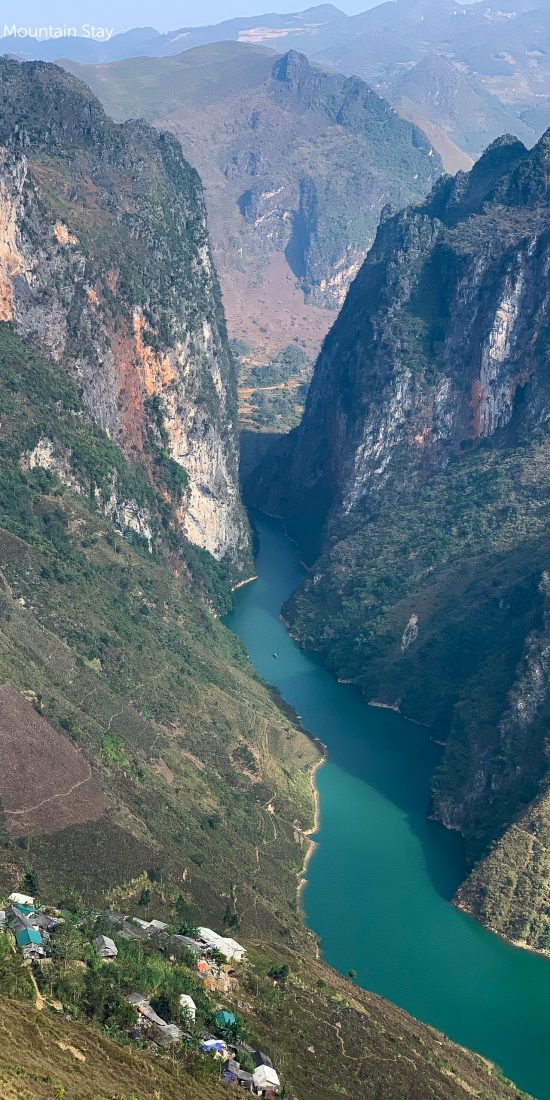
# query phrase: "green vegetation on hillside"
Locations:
[[48, 1057], [459, 559], [506, 890], [324, 1035], [273, 396], [125, 660]]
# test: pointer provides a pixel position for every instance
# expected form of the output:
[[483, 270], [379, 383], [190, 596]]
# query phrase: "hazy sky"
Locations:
[[163, 14]]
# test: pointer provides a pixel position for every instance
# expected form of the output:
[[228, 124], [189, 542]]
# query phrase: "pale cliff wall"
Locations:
[[121, 290]]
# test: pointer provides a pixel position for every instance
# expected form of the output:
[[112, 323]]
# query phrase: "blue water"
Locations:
[[380, 879]]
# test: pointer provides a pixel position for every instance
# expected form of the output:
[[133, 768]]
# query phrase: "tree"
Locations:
[[189, 928], [144, 897], [230, 917], [14, 976], [237, 1032], [217, 957], [68, 946], [279, 973], [166, 1005], [30, 882], [101, 926], [246, 1061]]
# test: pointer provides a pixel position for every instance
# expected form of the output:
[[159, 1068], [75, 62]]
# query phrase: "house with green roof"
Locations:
[[31, 942]]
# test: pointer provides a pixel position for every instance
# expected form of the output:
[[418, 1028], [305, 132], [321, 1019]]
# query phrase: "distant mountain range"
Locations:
[[298, 30], [297, 162], [436, 92], [492, 72]]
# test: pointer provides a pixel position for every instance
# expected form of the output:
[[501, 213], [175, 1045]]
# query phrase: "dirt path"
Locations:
[[52, 798], [38, 998]]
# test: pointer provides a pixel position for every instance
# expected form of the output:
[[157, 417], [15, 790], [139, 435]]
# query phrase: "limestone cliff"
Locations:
[[424, 451], [437, 347], [105, 266]]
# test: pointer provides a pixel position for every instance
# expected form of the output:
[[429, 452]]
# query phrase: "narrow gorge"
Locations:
[[424, 453]]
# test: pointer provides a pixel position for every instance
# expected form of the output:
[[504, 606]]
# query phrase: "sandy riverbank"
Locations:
[[242, 584], [311, 844]]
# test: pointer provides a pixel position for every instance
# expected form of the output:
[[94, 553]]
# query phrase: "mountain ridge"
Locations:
[[425, 439]]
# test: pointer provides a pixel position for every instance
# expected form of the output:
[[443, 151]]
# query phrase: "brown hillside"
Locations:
[[46, 782]]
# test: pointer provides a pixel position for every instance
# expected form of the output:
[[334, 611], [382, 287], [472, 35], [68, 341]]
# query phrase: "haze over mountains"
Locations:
[[297, 163], [274, 29], [503, 50]]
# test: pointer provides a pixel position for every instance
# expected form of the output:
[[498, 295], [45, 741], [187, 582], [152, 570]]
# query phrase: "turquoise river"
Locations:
[[381, 876]]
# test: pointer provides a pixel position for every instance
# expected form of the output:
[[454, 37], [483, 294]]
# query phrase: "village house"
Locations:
[[44, 922], [162, 1033], [24, 900], [105, 947], [192, 945], [266, 1081], [228, 947], [233, 1074], [33, 927], [17, 919], [133, 929], [31, 943]]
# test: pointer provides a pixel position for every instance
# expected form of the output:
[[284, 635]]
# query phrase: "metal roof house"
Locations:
[[164, 1034], [231, 1072], [186, 941], [30, 940], [259, 1058], [266, 1081], [228, 947], [22, 899], [105, 947], [16, 919]]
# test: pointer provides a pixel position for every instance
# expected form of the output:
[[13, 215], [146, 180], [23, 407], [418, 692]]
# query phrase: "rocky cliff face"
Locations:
[[424, 449], [438, 346], [105, 266]]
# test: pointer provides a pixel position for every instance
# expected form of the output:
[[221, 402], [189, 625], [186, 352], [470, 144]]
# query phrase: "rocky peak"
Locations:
[[346, 100], [295, 81], [529, 183], [455, 198]]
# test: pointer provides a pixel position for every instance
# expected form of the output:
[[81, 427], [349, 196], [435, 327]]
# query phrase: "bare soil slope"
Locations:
[[46, 782]]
